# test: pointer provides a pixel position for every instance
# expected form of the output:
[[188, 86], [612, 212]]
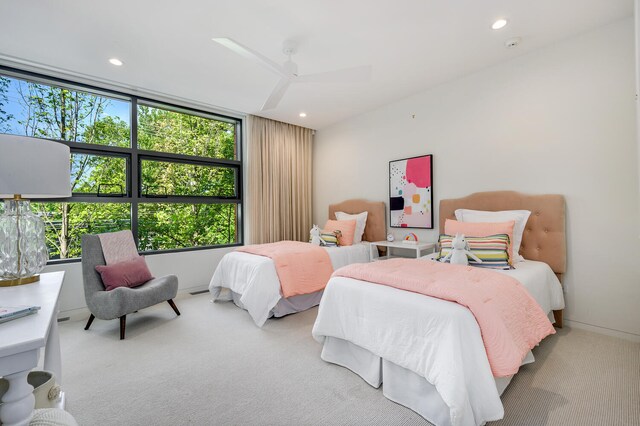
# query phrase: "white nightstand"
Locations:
[[20, 343], [417, 247]]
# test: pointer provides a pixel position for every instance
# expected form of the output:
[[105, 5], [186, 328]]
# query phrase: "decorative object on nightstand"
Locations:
[[29, 168], [410, 238]]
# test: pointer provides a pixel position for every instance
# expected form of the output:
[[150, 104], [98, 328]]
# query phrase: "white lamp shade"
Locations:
[[33, 168]]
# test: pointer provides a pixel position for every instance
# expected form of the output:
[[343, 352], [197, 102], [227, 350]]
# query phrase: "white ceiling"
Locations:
[[166, 44]]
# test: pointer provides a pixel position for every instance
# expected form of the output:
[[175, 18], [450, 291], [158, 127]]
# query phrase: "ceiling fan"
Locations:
[[288, 71]]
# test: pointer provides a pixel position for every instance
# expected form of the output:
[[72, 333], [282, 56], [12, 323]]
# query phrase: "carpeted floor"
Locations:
[[213, 366]]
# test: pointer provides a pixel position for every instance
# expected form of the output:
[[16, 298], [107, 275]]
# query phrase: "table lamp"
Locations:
[[29, 168]]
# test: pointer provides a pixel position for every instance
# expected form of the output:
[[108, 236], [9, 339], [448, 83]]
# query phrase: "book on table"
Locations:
[[8, 313]]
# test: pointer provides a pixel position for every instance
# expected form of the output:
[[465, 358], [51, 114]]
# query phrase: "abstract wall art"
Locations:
[[411, 192]]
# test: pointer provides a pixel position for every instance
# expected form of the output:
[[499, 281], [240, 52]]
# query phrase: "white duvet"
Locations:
[[439, 340], [255, 279]]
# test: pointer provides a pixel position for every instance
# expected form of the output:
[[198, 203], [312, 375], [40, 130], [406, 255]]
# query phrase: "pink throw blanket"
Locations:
[[302, 268], [510, 320], [118, 246]]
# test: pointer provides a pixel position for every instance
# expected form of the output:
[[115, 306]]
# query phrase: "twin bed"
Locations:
[[252, 283], [428, 352]]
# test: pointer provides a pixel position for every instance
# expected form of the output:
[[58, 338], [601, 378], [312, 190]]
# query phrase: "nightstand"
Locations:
[[418, 248]]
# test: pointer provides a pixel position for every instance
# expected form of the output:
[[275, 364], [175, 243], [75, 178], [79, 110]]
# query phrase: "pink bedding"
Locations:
[[510, 320], [302, 268]]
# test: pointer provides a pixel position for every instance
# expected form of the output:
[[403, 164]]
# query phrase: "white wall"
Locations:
[[559, 120], [637, 28]]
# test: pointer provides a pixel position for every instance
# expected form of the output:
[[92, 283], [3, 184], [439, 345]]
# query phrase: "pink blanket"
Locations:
[[302, 268], [510, 320], [118, 246]]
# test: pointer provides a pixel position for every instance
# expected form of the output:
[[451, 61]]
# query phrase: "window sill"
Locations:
[[54, 262]]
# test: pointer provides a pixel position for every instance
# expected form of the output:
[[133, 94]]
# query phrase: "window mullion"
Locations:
[[134, 178]]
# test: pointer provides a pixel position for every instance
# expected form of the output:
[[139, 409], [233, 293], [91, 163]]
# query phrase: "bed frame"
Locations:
[[376, 229], [544, 237]]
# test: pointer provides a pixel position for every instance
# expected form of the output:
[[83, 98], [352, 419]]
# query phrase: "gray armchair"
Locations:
[[121, 301]]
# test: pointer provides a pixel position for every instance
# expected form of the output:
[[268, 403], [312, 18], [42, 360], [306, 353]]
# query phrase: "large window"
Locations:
[[170, 174]]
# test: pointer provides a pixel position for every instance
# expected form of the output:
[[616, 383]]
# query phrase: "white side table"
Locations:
[[20, 343], [417, 247]]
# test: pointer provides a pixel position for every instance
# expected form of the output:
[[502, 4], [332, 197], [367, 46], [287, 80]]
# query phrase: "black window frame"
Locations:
[[134, 156]]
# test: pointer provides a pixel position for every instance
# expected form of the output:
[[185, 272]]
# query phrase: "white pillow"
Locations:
[[519, 216], [361, 222]]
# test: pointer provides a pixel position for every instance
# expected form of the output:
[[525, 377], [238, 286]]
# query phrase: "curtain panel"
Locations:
[[280, 173]]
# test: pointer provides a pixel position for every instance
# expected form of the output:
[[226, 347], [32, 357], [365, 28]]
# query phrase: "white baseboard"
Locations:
[[83, 313], [602, 330], [74, 314]]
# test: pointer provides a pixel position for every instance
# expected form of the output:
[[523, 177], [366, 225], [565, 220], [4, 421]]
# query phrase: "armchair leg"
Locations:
[[173, 305], [91, 318], [123, 325]]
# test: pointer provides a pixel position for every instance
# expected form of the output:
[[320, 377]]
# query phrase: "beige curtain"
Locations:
[[279, 181]]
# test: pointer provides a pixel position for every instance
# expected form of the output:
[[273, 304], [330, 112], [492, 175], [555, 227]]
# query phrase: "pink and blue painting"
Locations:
[[410, 192]]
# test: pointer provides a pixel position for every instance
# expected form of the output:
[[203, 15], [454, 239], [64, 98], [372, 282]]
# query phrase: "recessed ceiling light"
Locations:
[[500, 23], [115, 61], [303, 114]]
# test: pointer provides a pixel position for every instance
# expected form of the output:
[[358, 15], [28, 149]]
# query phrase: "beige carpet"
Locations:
[[213, 366]]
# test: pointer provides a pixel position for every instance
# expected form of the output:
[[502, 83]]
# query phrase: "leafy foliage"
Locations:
[[5, 117], [185, 225], [166, 178], [178, 133], [58, 113]]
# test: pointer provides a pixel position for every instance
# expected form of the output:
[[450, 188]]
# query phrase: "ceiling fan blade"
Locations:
[[251, 54], [346, 75], [276, 95]]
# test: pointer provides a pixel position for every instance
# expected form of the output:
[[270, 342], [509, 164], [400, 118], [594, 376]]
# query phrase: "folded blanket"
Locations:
[[511, 321], [118, 246], [302, 268]]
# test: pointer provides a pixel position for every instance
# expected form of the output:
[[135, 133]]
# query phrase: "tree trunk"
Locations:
[[229, 210], [63, 116], [64, 236]]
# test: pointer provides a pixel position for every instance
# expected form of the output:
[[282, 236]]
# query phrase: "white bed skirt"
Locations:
[[400, 385], [285, 306], [251, 281]]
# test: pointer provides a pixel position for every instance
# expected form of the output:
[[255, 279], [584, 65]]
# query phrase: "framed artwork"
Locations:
[[411, 192]]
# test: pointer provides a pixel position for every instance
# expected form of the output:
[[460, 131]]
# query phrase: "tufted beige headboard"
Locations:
[[544, 235], [376, 229]]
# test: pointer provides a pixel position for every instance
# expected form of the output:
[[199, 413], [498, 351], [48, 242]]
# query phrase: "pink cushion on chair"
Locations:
[[130, 273]]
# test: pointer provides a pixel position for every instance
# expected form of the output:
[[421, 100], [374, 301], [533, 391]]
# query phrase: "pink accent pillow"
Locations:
[[130, 273], [481, 229], [347, 227]]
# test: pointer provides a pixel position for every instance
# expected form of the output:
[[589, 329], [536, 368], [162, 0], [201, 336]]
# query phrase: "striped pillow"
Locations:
[[330, 239], [493, 250]]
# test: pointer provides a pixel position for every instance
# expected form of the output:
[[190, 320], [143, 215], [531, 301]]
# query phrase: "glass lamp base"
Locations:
[[19, 281], [23, 252]]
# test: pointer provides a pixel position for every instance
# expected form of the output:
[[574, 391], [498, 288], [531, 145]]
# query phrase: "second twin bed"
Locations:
[[252, 283]]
